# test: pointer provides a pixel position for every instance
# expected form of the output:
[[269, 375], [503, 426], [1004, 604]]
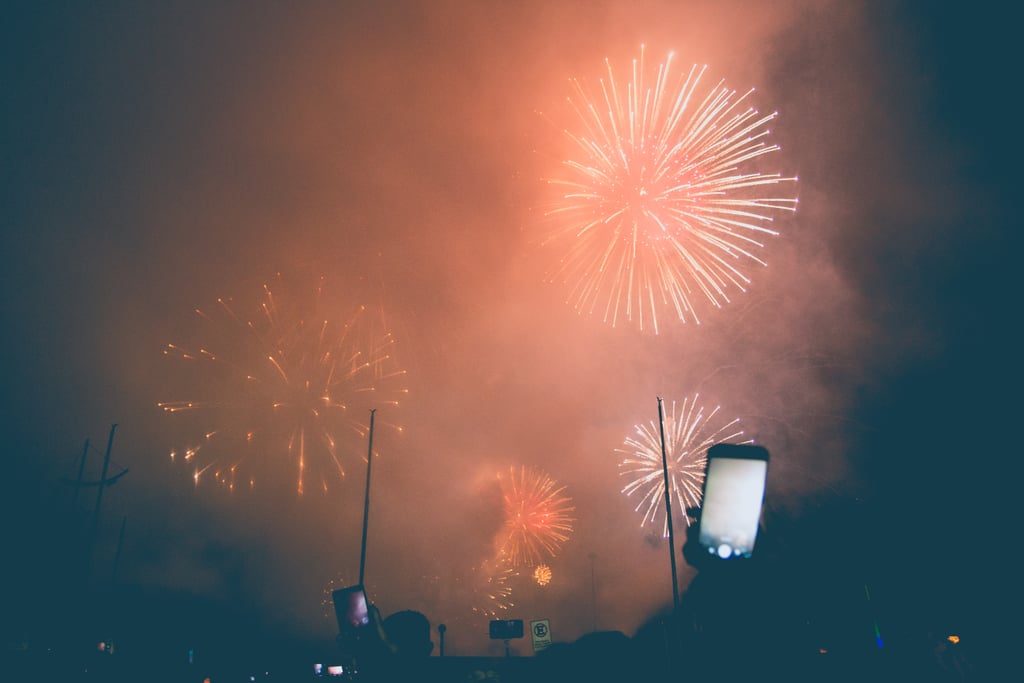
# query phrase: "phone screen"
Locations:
[[351, 608], [734, 484]]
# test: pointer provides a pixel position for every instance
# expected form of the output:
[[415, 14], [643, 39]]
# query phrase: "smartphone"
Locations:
[[351, 608], [733, 495]]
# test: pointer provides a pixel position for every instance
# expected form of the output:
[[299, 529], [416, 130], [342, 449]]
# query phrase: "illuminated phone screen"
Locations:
[[733, 496], [351, 608]]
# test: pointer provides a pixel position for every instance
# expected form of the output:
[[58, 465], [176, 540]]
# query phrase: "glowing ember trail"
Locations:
[[664, 202]]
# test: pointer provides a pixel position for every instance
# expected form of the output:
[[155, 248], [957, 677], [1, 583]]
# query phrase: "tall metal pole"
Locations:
[[668, 508], [366, 502]]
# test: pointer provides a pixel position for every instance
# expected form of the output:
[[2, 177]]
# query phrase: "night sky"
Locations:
[[159, 156]]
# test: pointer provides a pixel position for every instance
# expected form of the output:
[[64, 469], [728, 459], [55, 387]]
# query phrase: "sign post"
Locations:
[[540, 634]]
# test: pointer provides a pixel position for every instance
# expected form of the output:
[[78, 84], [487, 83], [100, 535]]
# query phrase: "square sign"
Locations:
[[540, 634]]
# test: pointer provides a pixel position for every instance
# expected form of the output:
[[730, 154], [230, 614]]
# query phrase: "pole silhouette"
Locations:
[[668, 507], [86, 534], [366, 503]]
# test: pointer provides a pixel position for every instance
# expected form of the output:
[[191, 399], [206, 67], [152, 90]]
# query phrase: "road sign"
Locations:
[[540, 634]]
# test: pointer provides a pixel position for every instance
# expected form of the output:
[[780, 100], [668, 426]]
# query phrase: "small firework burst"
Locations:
[[537, 517], [491, 589], [542, 574]]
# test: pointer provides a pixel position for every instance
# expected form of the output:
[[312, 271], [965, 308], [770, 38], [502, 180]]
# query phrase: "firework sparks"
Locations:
[[288, 385], [688, 435], [542, 575], [664, 203], [490, 585], [537, 520], [327, 597]]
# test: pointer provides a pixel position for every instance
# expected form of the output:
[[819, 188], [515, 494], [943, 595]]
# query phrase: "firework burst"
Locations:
[[288, 388], [542, 575], [663, 203], [537, 520], [688, 435], [488, 589]]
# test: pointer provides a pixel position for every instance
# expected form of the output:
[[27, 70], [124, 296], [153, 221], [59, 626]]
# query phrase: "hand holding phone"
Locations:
[[351, 608], [733, 495]]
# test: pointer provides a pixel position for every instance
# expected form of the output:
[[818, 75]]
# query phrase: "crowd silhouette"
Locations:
[[737, 620]]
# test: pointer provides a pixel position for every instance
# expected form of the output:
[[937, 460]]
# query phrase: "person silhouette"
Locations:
[[733, 616], [394, 648], [408, 634]]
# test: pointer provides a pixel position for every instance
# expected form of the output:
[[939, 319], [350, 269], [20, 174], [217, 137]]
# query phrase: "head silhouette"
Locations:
[[409, 633]]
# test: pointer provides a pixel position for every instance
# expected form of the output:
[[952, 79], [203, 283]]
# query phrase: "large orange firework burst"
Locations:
[[664, 201], [688, 435], [290, 388], [537, 520]]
